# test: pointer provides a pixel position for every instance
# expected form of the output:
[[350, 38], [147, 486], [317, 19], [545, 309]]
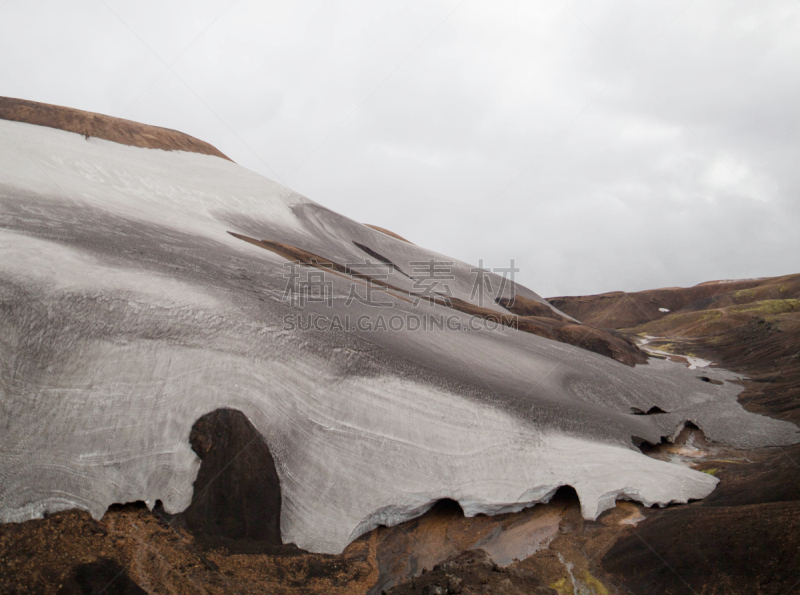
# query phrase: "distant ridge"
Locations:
[[620, 310], [117, 130]]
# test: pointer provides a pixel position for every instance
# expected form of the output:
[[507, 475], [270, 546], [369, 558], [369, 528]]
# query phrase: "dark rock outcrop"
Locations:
[[103, 576], [714, 550], [237, 493]]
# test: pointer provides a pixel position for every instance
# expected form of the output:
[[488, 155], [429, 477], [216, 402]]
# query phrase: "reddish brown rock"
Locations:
[[90, 124]]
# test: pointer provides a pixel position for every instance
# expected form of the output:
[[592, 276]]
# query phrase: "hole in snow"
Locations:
[[652, 411], [447, 507], [566, 494], [687, 437], [237, 493]]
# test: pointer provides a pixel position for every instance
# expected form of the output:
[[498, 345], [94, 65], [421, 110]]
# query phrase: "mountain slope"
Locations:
[[744, 538], [143, 290]]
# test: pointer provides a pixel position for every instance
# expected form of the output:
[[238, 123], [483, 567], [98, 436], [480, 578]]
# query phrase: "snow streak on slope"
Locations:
[[129, 312]]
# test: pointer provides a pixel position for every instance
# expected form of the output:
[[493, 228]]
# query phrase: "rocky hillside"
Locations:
[[210, 383], [745, 537]]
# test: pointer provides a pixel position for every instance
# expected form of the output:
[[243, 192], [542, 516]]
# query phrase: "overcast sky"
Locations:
[[614, 145]]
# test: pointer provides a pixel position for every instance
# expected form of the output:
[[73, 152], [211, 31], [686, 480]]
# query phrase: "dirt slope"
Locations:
[[745, 537], [90, 125]]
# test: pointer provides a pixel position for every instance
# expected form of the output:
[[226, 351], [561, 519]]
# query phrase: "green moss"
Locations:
[[595, 586], [669, 347], [682, 320], [767, 307], [712, 471], [563, 587], [744, 296], [586, 584]]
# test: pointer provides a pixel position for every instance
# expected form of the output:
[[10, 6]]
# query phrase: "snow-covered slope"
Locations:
[[129, 311]]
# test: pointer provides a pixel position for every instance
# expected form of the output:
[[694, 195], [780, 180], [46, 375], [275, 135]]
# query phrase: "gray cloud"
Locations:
[[648, 145]]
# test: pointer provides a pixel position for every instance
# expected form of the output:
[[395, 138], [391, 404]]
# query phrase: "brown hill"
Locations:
[[618, 309], [744, 537], [109, 128]]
